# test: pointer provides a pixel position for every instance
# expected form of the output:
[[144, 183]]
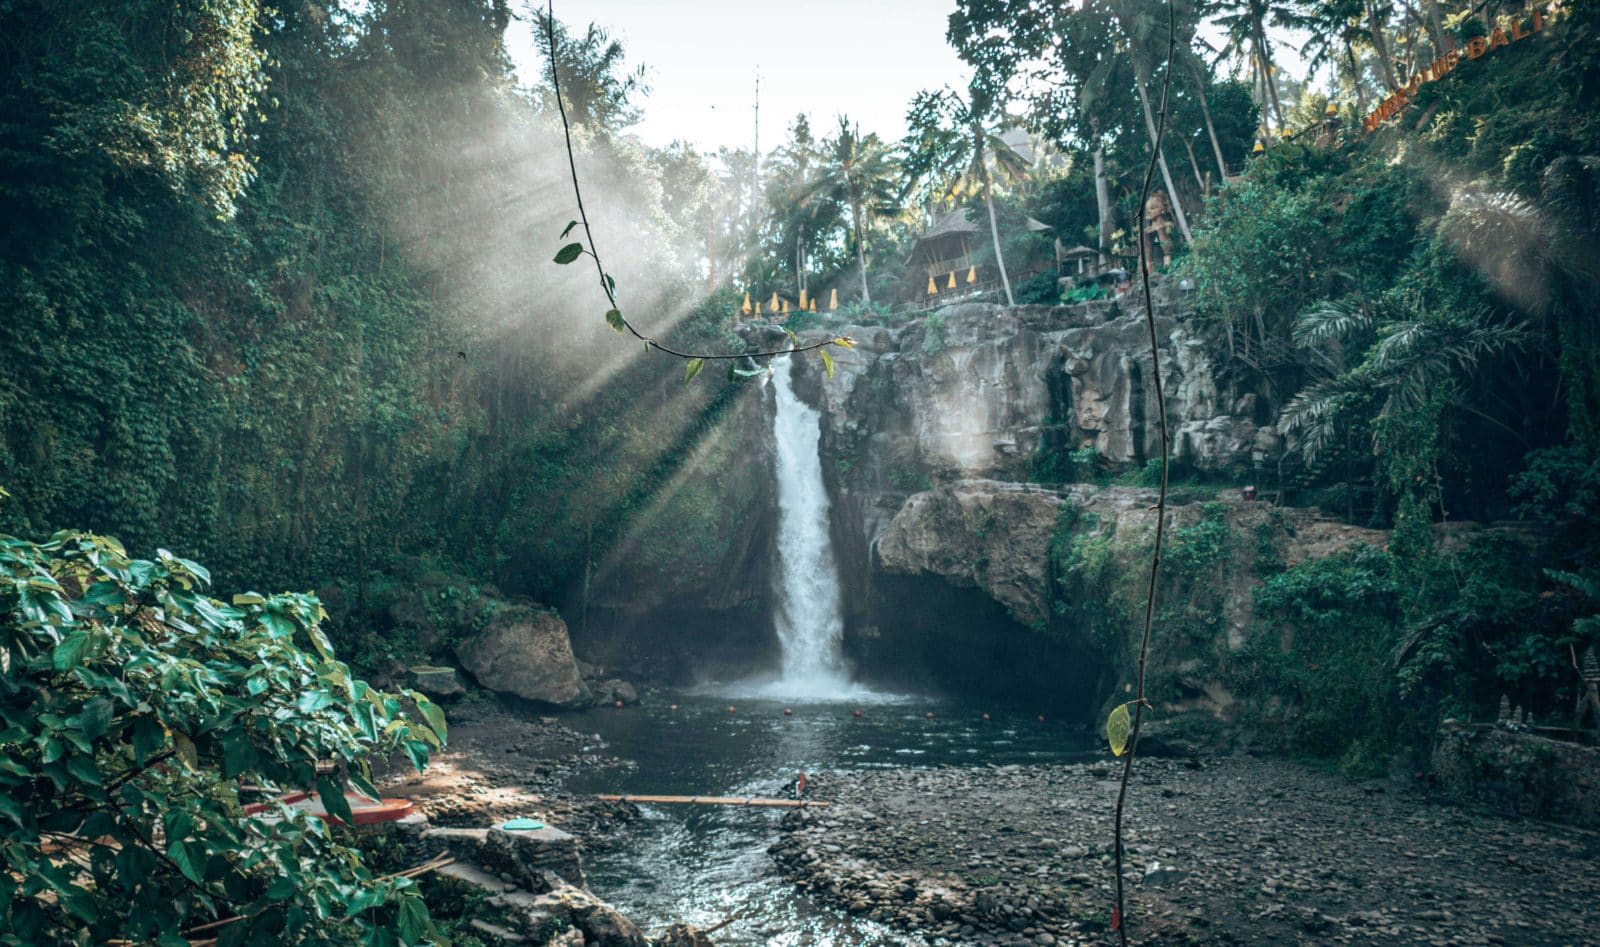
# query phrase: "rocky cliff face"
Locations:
[[931, 435]]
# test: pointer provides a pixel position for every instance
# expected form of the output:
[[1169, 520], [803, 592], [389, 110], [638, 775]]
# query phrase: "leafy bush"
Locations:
[[132, 707]]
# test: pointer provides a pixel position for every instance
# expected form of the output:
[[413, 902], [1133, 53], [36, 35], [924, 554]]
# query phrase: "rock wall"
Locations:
[[931, 432]]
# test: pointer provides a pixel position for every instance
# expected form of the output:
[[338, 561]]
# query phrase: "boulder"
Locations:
[[616, 689], [525, 652], [1519, 772], [526, 856], [570, 907], [437, 682], [682, 935]]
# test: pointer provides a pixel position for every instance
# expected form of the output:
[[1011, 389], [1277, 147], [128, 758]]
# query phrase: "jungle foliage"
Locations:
[[133, 706]]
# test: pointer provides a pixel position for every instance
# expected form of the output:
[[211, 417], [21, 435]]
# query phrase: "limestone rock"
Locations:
[[985, 533], [682, 935], [437, 682], [573, 907], [1520, 772], [527, 855], [526, 652]]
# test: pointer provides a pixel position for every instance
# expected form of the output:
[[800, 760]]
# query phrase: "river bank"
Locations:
[[1226, 851]]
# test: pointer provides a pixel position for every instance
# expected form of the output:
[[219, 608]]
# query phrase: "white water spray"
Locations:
[[810, 620]]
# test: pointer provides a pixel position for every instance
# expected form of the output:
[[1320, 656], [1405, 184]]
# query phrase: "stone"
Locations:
[[682, 935], [439, 683], [617, 689], [526, 652], [571, 907], [526, 856]]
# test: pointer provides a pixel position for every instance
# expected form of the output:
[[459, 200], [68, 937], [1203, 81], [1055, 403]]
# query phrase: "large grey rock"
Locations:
[[526, 652], [527, 855], [567, 906], [984, 533], [437, 682], [1520, 772]]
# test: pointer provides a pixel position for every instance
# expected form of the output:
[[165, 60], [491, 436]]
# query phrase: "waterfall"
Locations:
[[809, 618]]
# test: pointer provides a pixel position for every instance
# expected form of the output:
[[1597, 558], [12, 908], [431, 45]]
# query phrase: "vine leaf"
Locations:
[[569, 253], [827, 361], [692, 369], [614, 319], [844, 341], [568, 228], [1119, 726]]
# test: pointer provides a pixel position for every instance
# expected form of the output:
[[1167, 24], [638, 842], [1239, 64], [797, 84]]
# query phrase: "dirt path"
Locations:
[[1240, 851]]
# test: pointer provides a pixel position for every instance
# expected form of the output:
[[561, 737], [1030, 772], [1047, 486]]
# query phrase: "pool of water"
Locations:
[[706, 864]]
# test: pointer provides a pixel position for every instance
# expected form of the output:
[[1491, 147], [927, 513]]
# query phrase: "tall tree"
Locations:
[[859, 172], [951, 142]]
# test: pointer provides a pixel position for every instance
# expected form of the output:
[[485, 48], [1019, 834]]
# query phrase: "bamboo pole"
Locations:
[[754, 801]]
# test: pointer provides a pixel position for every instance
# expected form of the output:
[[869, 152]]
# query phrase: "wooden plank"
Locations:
[[754, 801]]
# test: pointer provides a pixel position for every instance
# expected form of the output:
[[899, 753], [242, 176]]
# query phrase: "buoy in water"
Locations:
[[674, 708], [788, 712], [730, 708], [929, 715], [857, 713], [985, 718], [617, 704], [1041, 718]]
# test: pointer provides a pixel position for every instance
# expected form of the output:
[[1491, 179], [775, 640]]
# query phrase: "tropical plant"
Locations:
[[858, 172], [951, 143], [133, 708]]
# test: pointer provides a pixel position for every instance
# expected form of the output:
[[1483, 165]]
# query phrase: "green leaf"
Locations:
[[188, 856], [827, 361], [568, 228], [432, 714], [186, 750], [69, 653], [413, 920], [692, 369], [248, 598], [569, 253], [614, 319], [333, 800], [1119, 726], [97, 717], [844, 341]]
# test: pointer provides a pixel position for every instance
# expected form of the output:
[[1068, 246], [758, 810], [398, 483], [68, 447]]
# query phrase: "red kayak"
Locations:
[[364, 810]]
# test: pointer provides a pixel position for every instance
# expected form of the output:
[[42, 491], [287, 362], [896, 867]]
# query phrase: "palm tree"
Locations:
[[1146, 33], [859, 172], [1245, 28], [951, 145]]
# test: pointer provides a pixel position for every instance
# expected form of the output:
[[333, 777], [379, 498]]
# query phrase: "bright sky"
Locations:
[[864, 58]]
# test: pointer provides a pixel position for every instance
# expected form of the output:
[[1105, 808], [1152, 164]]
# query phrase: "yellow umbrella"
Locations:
[[932, 289], [952, 283], [802, 300], [813, 304], [746, 307], [786, 307], [772, 304], [972, 274], [833, 299], [758, 309]]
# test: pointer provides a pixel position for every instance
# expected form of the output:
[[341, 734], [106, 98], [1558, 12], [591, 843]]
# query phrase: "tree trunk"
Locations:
[[1161, 160], [1205, 112], [1194, 165], [1356, 79], [1102, 201], [1381, 46], [861, 250], [1268, 80], [994, 233]]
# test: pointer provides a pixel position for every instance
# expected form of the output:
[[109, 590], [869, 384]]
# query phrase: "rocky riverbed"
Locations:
[[503, 763], [1230, 851]]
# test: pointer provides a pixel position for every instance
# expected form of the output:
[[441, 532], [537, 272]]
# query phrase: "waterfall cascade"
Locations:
[[809, 617]]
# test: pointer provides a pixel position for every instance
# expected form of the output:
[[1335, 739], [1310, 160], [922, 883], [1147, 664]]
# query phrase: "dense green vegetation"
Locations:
[[276, 293], [135, 708]]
